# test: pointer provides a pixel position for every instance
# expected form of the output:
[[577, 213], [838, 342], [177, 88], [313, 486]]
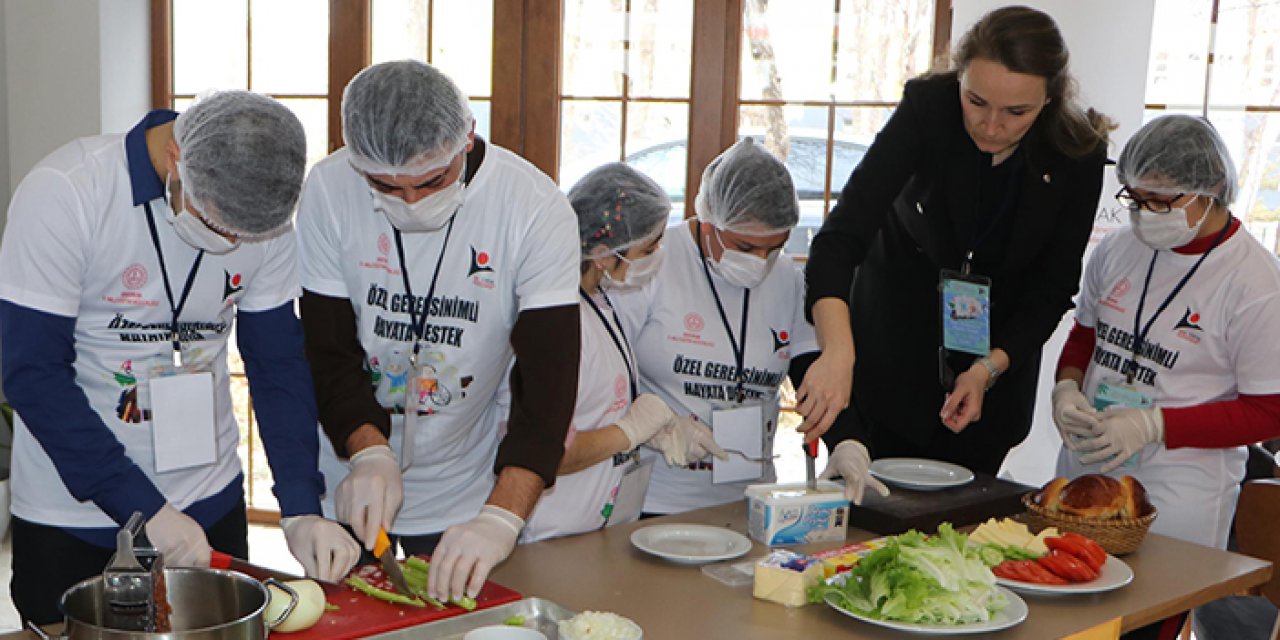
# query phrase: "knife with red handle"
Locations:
[[220, 560]]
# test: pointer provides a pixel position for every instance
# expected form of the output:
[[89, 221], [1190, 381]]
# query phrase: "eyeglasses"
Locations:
[[1126, 197]]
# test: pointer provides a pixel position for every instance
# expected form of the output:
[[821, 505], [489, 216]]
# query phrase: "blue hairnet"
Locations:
[[1178, 154], [747, 190], [242, 159], [618, 207], [403, 118]]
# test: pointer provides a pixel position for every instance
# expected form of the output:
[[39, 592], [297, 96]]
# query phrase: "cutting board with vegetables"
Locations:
[[352, 614], [985, 497]]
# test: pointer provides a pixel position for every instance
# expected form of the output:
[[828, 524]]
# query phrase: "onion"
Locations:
[[305, 615]]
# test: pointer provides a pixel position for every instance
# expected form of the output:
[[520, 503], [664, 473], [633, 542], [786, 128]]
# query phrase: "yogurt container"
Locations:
[[783, 514]]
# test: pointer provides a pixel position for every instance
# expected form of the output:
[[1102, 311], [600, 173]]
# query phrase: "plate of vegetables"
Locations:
[[1073, 564]]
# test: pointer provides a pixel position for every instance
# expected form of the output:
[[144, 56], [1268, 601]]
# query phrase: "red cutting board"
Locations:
[[359, 615]]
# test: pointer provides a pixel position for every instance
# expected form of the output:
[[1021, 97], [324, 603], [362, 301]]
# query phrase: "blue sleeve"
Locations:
[[284, 398], [40, 382]]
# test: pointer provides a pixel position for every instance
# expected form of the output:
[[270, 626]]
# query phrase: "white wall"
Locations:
[[1110, 44], [125, 64], [4, 127]]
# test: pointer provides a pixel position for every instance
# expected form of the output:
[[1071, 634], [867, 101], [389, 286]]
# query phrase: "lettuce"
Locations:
[[919, 579]]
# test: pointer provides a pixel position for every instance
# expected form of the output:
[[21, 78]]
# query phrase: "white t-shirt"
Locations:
[[513, 246], [686, 358], [1214, 341], [76, 246], [578, 501]]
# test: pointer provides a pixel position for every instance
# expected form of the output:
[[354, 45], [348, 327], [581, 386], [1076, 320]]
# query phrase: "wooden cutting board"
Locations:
[[985, 497], [359, 615]]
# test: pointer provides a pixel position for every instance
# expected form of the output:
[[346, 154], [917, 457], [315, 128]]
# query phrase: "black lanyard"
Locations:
[[624, 347], [1006, 204], [419, 324], [1141, 336], [168, 291], [739, 348]]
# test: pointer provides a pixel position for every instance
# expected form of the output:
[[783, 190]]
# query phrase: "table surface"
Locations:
[[602, 571]]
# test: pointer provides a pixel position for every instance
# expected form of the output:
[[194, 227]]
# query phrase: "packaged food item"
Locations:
[[785, 577], [843, 558], [782, 514]]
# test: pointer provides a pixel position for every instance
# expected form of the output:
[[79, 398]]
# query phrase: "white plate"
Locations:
[[690, 543], [1115, 574], [1011, 614], [920, 474]]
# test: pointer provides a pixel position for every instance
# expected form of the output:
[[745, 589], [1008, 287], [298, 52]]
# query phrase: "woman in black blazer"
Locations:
[[990, 168]]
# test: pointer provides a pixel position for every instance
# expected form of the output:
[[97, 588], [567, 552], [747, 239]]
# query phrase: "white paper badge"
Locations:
[[629, 501], [182, 425], [740, 428]]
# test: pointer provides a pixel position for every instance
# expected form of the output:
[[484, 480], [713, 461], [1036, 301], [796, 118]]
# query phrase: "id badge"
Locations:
[[628, 496], [740, 428], [183, 429], [966, 312], [423, 384], [1118, 392]]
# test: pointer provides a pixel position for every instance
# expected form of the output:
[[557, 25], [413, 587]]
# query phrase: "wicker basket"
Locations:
[[1117, 535]]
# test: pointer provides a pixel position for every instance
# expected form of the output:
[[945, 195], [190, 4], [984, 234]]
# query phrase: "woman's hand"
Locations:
[[964, 404], [824, 393]]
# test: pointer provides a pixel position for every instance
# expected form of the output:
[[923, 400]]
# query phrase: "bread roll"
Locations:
[[1096, 496], [1136, 503]]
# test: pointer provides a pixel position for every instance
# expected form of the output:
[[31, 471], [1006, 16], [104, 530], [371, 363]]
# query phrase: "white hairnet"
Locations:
[[403, 118], [242, 159], [1178, 154], [747, 190], [618, 207]]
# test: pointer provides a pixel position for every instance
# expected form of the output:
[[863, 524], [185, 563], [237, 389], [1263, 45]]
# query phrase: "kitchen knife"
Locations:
[[810, 456], [387, 556], [220, 560]]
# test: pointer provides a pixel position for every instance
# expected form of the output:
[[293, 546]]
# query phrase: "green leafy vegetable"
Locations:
[[920, 579], [359, 584], [416, 571]]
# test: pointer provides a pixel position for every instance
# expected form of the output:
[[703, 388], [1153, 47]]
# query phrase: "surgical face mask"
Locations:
[[1164, 230], [740, 268], [431, 213], [639, 271], [192, 229]]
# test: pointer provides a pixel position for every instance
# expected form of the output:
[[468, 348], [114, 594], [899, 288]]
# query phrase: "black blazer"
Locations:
[[908, 211]]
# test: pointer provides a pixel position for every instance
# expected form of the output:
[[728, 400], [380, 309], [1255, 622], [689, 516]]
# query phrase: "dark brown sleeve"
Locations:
[[344, 390], [544, 386]]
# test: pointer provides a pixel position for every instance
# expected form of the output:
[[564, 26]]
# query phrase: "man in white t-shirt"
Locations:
[[722, 275], [1172, 365], [431, 261], [126, 261]]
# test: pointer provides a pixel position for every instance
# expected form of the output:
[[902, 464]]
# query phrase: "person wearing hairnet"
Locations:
[[718, 329], [621, 218], [126, 261], [953, 252], [1172, 366], [432, 264]]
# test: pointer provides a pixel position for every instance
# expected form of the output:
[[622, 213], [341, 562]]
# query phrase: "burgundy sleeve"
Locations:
[[344, 389], [1078, 349], [544, 387], [1230, 423]]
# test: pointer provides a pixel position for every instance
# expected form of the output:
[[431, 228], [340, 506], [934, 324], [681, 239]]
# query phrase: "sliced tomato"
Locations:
[[1043, 575], [1076, 549], [1005, 570], [1095, 550], [1026, 571], [1067, 566]]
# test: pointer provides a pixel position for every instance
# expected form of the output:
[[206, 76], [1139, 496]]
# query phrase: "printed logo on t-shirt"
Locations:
[[127, 409], [232, 284], [692, 334], [1190, 321], [481, 268], [1117, 292], [135, 275], [693, 323], [381, 262], [384, 244], [133, 278], [621, 388], [781, 340]]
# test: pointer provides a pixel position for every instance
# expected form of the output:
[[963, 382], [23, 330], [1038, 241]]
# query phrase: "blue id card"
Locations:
[[1119, 393], [966, 312]]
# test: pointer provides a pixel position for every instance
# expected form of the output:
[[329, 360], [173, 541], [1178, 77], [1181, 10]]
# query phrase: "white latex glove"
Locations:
[[824, 392], [371, 495], [647, 416], [469, 551], [1122, 433], [1075, 418], [686, 440], [324, 548], [178, 537], [851, 461]]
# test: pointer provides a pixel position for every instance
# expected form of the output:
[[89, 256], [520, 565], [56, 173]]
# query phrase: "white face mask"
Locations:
[[1164, 230], [431, 213], [193, 230], [639, 271], [741, 268]]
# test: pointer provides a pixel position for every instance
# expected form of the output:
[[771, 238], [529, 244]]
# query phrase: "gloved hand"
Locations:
[[1075, 418], [371, 495], [686, 440], [647, 416], [851, 461], [1123, 432], [178, 537], [468, 552], [324, 548]]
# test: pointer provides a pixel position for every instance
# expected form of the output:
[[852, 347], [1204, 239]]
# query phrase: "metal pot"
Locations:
[[208, 604]]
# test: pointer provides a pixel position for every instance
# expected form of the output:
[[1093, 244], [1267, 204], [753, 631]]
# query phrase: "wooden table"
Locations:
[[603, 571]]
